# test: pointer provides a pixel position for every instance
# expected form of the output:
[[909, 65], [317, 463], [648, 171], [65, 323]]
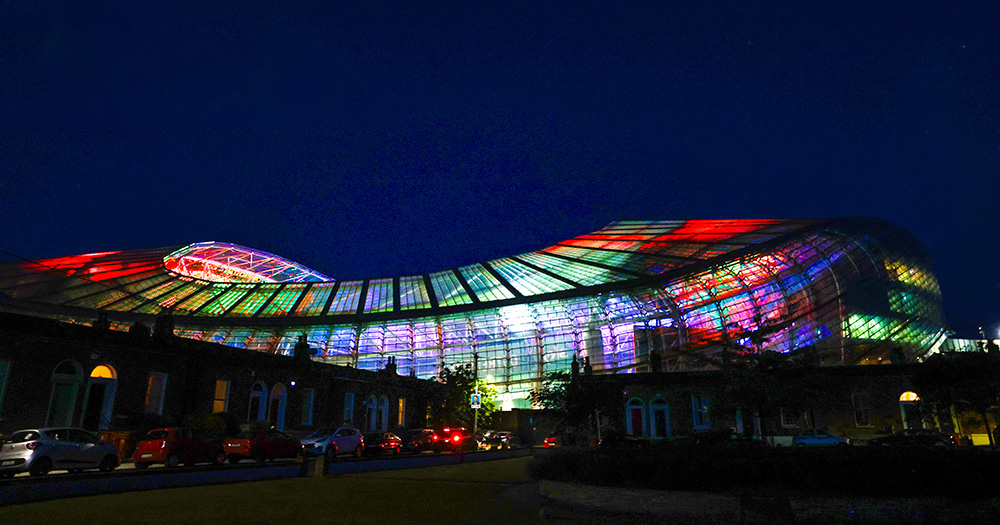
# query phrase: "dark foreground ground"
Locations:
[[489, 492]]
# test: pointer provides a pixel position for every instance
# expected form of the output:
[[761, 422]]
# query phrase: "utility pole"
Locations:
[[475, 382]]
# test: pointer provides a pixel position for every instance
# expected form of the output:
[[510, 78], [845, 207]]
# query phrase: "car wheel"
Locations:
[[360, 451], [234, 460], [219, 458], [173, 461], [41, 466], [108, 464], [142, 466]]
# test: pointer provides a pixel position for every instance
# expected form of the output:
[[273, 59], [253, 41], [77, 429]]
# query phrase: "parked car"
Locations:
[[377, 443], [418, 440], [818, 438], [622, 440], [40, 451], [262, 445], [453, 439], [915, 437], [500, 439], [176, 445], [329, 442]]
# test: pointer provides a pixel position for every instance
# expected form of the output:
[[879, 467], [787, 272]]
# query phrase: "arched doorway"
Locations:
[[383, 414], [257, 407], [371, 407], [276, 406], [635, 417], [659, 414], [66, 378], [909, 410], [100, 398]]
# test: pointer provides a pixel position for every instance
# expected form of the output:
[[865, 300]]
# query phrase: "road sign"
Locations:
[[475, 401]]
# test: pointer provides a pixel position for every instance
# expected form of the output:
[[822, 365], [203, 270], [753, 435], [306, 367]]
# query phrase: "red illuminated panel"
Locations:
[[712, 231]]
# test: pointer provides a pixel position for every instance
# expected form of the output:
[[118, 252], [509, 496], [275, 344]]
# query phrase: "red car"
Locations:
[[262, 445], [549, 442], [454, 439], [176, 445]]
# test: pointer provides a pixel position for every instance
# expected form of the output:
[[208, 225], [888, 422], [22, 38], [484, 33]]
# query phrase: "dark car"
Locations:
[[377, 443], [500, 439], [915, 437], [418, 440], [454, 439], [623, 440], [262, 445], [175, 446]]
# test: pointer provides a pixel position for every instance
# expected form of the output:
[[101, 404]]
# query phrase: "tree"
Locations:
[[455, 409], [969, 379]]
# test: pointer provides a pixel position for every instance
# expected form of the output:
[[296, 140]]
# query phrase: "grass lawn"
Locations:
[[466, 493]]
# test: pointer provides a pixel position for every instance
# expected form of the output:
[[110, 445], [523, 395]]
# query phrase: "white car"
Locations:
[[330, 442], [41, 450]]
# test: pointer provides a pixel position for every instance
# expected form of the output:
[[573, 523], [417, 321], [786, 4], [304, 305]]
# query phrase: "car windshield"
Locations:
[[23, 435], [157, 434], [322, 433]]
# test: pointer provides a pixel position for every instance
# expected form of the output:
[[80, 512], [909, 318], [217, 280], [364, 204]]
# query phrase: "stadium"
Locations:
[[851, 291]]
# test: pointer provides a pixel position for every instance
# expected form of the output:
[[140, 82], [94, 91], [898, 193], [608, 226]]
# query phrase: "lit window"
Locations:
[[308, 396], [789, 418], [102, 372], [401, 416], [154, 392], [221, 403], [909, 397], [699, 413]]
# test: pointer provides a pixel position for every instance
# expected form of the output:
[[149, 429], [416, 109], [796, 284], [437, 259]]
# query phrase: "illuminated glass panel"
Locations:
[[484, 284], [283, 302], [172, 293], [629, 261], [581, 273], [527, 280], [254, 300], [413, 293], [202, 297], [315, 299], [227, 299], [347, 298], [448, 289], [379, 297], [100, 300], [225, 262]]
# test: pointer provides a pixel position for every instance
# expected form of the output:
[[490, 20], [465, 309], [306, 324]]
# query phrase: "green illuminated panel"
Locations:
[[202, 297], [253, 301], [100, 300], [346, 300], [379, 296], [527, 280], [581, 273], [484, 284], [169, 294], [448, 289], [631, 261], [147, 283], [128, 304], [227, 299], [284, 301], [315, 299], [413, 293]]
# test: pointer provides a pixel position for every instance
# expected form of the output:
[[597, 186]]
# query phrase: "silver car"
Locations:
[[42, 450], [331, 442]]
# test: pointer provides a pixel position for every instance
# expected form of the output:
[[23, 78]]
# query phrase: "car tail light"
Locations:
[[456, 439], [31, 446], [434, 437]]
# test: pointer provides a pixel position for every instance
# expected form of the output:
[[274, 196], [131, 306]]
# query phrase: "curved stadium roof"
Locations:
[[851, 288]]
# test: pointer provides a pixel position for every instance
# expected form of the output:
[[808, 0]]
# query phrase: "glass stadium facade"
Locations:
[[851, 291]]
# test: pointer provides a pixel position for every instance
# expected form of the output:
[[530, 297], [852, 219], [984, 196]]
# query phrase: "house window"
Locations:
[[635, 417], [699, 413], [789, 418], [4, 373], [659, 415], [860, 401], [349, 408], [155, 388], [308, 396], [221, 402], [400, 416]]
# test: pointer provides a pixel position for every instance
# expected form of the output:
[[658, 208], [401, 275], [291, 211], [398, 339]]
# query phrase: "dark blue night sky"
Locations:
[[372, 139]]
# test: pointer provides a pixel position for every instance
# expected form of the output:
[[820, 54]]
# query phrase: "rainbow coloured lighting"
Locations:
[[852, 291]]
